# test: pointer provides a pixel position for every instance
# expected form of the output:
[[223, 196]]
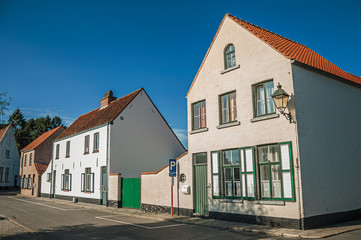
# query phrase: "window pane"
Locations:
[[276, 181], [265, 181], [261, 110], [269, 92], [233, 106], [237, 189], [224, 108], [287, 185], [215, 185], [215, 163], [263, 154], [235, 157], [228, 181], [250, 185], [227, 157], [200, 158], [228, 174], [203, 114], [273, 153], [268, 154]]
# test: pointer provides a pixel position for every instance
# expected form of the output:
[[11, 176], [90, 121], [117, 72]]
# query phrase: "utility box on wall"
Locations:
[[186, 189]]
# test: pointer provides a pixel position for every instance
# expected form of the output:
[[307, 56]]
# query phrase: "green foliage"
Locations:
[[27, 131], [4, 104]]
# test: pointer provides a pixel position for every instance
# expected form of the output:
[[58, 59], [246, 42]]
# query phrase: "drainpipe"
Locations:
[[108, 159]]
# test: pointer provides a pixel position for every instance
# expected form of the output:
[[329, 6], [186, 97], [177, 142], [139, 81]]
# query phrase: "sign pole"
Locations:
[[171, 196]]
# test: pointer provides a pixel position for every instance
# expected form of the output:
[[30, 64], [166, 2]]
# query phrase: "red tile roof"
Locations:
[[3, 131], [296, 51], [41, 167], [99, 116], [34, 144]]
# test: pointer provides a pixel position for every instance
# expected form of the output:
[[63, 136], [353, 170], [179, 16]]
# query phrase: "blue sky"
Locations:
[[60, 57]]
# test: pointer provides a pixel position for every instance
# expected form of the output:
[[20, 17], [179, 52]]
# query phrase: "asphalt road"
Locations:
[[58, 221]]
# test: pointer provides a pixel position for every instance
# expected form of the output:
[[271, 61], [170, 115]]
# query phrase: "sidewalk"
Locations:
[[227, 225]]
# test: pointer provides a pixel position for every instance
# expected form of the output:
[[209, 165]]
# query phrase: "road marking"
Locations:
[[133, 224], [62, 209]]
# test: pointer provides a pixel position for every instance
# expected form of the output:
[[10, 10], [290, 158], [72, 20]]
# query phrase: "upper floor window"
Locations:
[[229, 56], [67, 152], [199, 115], [263, 99], [57, 151], [30, 158], [96, 142], [228, 108], [7, 153], [26, 158], [86, 144]]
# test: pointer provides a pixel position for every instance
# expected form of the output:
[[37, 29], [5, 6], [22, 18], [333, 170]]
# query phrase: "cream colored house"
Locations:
[[246, 162]]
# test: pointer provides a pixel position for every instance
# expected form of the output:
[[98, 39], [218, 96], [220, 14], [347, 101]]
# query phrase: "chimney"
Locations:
[[108, 98]]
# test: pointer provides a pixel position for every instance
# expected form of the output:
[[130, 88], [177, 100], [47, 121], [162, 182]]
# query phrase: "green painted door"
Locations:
[[131, 192], [200, 183], [104, 187]]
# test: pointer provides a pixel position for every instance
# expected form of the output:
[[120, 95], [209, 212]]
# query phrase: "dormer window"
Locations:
[[229, 56]]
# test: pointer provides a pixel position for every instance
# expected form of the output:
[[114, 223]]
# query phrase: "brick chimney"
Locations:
[[108, 98]]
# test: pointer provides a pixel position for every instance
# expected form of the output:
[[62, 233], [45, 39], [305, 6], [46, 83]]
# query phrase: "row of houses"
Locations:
[[249, 159]]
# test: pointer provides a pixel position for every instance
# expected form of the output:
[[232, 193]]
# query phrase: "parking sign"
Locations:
[[172, 168]]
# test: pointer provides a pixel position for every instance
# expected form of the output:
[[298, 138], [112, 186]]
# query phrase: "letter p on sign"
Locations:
[[172, 168]]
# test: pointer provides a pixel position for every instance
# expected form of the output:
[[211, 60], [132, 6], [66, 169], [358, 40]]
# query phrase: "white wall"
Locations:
[[258, 62], [8, 142], [329, 117], [77, 162], [142, 141]]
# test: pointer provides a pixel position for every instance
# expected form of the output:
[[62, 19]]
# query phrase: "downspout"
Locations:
[[108, 160], [51, 175]]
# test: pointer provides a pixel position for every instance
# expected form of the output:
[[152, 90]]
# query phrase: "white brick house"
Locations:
[[102, 154], [245, 161]]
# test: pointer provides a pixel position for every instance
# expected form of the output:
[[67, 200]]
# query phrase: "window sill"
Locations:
[[270, 202], [231, 124], [265, 117], [88, 192], [230, 69], [65, 190], [198, 130], [231, 200], [95, 151], [86, 153], [67, 157], [56, 158]]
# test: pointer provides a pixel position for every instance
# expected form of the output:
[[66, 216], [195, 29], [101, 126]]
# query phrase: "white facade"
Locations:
[[138, 139], [9, 160]]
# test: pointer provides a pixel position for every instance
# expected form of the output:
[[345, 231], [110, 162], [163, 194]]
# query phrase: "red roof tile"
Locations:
[[40, 139], [296, 51], [41, 167], [3, 131], [99, 116]]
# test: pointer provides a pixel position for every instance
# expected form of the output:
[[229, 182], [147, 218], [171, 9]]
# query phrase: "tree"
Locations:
[[4, 104], [27, 131]]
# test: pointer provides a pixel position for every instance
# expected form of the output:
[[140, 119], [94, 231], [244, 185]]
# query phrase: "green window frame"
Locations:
[[276, 180], [199, 115], [262, 99], [216, 180], [229, 56], [228, 108], [248, 173]]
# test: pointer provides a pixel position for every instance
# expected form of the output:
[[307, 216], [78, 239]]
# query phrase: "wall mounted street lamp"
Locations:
[[280, 98]]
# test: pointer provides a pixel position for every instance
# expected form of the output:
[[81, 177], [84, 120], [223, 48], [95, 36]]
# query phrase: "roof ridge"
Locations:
[[239, 19]]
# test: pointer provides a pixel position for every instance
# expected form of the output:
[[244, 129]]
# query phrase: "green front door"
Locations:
[[200, 183], [104, 186], [131, 192]]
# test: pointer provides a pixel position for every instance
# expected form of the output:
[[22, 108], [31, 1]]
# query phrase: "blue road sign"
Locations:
[[172, 168]]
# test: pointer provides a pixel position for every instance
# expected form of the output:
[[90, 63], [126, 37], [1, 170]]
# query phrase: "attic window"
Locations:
[[229, 56]]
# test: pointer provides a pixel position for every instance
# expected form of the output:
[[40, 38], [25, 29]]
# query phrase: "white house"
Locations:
[[99, 158], [9, 159], [247, 162]]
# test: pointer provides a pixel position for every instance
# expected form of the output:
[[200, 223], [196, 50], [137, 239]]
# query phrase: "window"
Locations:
[[26, 157], [66, 180], [48, 177], [29, 182], [87, 181], [57, 151], [231, 173], [25, 182], [263, 99], [7, 153], [1, 173], [67, 153], [96, 142], [229, 56], [7, 175], [30, 158], [22, 161], [228, 108], [275, 172], [86, 144], [199, 115]]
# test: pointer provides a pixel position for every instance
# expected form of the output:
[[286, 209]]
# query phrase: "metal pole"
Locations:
[[171, 190]]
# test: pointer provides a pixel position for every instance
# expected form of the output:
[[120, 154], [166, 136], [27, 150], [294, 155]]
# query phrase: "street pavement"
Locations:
[[42, 218]]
